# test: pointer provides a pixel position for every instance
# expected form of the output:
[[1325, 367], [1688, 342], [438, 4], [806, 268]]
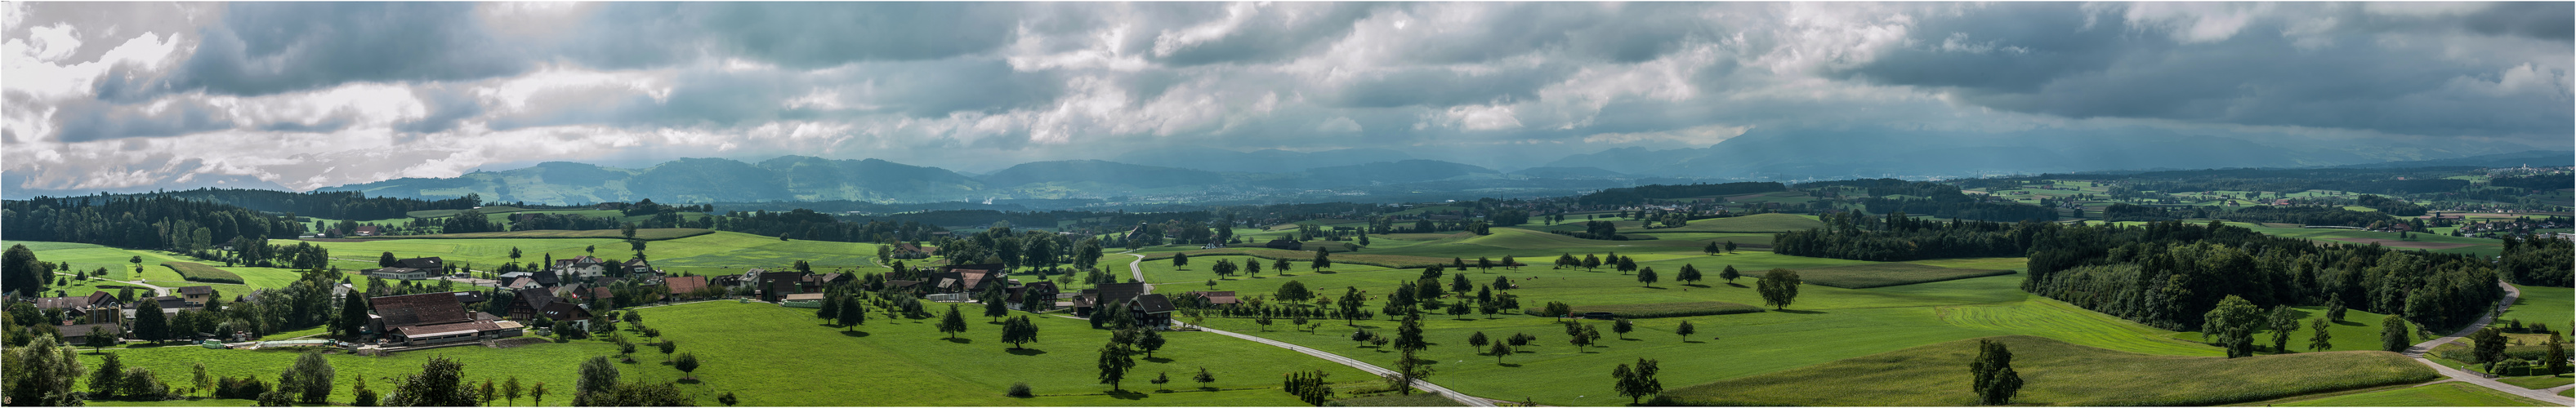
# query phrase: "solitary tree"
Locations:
[[1689, 275], [953, 323], [1685, 330], [597, 374], [2489, 347], [1778, 288], [1223, 268], [1204, 378], [2283, 324], [1638, 382], [2393, 334], [1323, 259], [1115, 360], [1498, 350], [1018, 331], [1648, 277], [1992, 375], [995, 309], [1729, 274], [1180, 261], [2231, 325], [1622, 327], [688, 365], [2321, 340]]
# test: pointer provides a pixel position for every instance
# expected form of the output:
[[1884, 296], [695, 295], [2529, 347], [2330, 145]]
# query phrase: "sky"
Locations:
[[121, 96]]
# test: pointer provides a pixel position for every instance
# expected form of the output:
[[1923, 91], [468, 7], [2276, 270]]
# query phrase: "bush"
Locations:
[[1021, 390], [197, 272]]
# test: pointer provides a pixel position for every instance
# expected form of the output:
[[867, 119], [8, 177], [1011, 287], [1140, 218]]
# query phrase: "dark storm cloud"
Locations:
[[1441, 87], [268, 48], [2542, 20], [83, 121], [2039, 58]]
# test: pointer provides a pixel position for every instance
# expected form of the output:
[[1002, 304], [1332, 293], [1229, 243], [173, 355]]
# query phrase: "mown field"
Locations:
[[2449, 394], [89, 258], [648, 234], [709, 252], [2544, 305], [1889, 274], [2059, 373]]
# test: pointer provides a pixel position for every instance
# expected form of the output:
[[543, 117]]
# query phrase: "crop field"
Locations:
[[1889, 274], [1302, 257], [197, 272], [2450, 394], [2059, 373]]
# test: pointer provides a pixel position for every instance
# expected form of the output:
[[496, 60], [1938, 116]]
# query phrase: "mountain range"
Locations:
[[1206, 174]]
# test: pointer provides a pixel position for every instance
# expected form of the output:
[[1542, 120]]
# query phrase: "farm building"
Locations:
[[78, 334], [583, 267], [1152, 309], [196, 295], [1106, 294], [432, 318], [399, 273], [685, 286]]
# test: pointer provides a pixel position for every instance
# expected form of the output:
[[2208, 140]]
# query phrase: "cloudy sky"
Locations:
[[102, 96]]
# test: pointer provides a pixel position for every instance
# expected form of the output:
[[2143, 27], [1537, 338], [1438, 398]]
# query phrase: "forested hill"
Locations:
[[139, 221], [343, 205]]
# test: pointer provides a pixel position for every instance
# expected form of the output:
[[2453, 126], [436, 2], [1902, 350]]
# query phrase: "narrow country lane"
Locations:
[[1137, 268], [2548, 395]]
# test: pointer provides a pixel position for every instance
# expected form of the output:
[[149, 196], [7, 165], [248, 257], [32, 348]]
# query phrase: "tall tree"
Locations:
[[687, 363], [1689, 275], [952, 323], [1323, 259], [2284, 322], [1408, 335], [1019, 330], [149, 324], [597, 374], [22, 272], [1778, 287], [2393, 334], [1685, 330], [1729, 274], [2488, 346], [441, 383], [1622, 326], [1115, 360], [2231, 325], [2320, 340], [313, 376], [995, 309], [1647, 276], [353, 317], [1992, 375], [1637, 382]]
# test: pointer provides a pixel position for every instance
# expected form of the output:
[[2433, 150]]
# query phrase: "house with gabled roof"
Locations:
[[530, 302], [430, 318], [1152, 310], [1111, 294], [196, 295], [585, 266], [684, 286]]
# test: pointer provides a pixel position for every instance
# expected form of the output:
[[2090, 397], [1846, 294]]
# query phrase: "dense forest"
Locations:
[[139, 221], [342, 205], [2302, 215], [2546, 262], [2168, 274]]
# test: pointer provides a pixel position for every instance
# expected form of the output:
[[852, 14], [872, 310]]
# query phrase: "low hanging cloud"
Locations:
[[309, 95]]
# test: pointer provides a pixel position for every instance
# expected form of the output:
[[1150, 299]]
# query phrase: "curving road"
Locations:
[[2547, 395], [1137, 268]]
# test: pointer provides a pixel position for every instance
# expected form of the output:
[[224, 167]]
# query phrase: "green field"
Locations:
[[88, 258], [1888, 274], [1774, 222], [493, 209], [197, 272], [557, 365], [648, 234], [705, 253], [2059, 373], [2553, 306], [2539, 382], [2449, 394]]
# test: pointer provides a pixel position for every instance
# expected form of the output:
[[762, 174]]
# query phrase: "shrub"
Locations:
[[245, 387], [1021, 390]]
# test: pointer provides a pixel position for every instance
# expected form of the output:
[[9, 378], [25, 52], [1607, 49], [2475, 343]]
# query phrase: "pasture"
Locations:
[[2059, 373], [2449, 394], [2545, 305], [1889, 274]]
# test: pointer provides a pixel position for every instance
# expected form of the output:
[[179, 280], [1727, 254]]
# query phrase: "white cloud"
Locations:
[[1695, 137]]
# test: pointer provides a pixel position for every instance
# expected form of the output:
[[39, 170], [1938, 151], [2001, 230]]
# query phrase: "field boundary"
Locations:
[[648, 234]]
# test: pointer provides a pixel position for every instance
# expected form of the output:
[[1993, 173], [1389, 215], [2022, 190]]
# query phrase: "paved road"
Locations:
[[2549, 395], [1137, 268], [156, 290], [1371, 369]]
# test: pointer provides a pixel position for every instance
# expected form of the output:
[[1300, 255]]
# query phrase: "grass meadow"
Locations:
[[2059, 373], [2544, 305]]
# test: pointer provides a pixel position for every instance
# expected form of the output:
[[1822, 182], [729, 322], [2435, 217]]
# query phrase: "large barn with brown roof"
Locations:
[[430, 318]]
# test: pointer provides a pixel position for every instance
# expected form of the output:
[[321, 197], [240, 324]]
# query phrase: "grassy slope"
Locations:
[[2451, 394], [2545, 305], [910, 363], [648, 234], [1774, 222], [555, 364], [1889, 274], [89, 257], [710, 252], [2060, 373]]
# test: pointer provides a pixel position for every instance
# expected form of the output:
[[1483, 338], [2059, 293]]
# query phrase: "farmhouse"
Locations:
[[1041, 288], [530, 302], [86, 309], [685, 286], [1152, 309], [906, 250], [366, 231], [398, 273], [432, 318], [1111, 294], [78, 334], [583, 267], [1218, 298], [637, 266], [196, 295]]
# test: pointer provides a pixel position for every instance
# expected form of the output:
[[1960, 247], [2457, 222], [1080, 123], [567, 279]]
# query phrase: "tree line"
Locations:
[[152, 222], [2297, 214], [1640, 194]]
